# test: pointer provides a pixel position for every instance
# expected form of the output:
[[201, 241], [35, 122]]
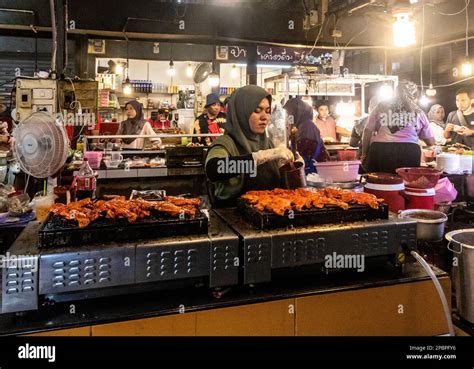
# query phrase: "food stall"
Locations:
[[128, 242]]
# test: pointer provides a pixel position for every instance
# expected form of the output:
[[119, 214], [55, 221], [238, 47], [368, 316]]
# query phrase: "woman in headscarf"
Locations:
[[244, 158], [391, 135], [436, 116], [136, 125], [308, 141]]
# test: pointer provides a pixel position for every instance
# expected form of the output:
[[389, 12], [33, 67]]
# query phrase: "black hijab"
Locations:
[[238, 139], [132, 126], [302, 115]]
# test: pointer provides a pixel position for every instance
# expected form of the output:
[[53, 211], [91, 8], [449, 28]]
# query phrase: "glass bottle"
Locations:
[[85, 182]]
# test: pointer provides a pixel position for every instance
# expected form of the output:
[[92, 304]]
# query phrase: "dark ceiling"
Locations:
[[363, 22]]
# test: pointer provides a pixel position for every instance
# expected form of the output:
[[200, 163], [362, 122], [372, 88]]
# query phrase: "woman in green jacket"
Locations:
[[244, 158]]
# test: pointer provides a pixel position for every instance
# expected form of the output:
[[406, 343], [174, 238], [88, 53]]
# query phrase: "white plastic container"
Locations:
[[448, 163], [338, 171], [466, 163]]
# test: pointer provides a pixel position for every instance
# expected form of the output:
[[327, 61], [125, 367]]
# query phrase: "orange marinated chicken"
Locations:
[[86, 211], [180, 201], [280, 201]]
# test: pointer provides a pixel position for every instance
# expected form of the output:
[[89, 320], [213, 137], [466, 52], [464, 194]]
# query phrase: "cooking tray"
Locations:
[[56, 231], [326, 215], [184, 156]]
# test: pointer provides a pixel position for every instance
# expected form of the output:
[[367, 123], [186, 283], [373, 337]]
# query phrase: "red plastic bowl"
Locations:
[[419, 177]]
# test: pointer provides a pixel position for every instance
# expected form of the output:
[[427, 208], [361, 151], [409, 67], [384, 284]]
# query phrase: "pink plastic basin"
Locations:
[[338, 171]]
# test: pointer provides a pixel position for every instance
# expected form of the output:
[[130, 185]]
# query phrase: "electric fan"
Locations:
[[40, 145]]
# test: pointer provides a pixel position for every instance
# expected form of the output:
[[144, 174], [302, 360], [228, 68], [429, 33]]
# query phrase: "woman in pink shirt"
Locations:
[[391, 135]]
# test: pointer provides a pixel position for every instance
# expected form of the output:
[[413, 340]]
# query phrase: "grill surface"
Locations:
[[326, 215], [56, 231]]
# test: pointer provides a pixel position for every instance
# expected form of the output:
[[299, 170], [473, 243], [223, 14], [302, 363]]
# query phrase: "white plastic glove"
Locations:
[[282, 154], [299, 159]]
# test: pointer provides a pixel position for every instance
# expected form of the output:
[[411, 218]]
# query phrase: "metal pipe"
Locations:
[[55, 36], [229, 40], [18, 11]]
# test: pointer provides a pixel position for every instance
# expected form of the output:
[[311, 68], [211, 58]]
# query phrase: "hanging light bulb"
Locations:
[[386, 92], [424, 100], [189, 70], [127, 87], [466, 68], [404, 32], [214, 79], [431, 92], [171, 70]]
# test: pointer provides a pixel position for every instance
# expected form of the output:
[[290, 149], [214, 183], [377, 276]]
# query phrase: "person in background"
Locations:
[[136, 125], [6, 125], [162, 122], [460, 123], [327, 125], [276, 128], [308, 141], [436, 116], [212, 121], [390, 139], [358, 130]]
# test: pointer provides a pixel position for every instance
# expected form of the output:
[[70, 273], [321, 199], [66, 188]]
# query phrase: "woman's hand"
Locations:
[[282, 154], [449, 127]]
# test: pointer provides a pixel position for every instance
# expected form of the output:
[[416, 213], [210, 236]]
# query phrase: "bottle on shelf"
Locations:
[[85, 182]]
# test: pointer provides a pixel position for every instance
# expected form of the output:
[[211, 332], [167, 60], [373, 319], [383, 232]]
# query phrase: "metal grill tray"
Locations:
[[326, 215], [56, 231]]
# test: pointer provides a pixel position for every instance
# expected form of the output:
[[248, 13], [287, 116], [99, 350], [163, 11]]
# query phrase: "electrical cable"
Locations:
[[459, 12], [467, 28], [421, 49], [360, 33], [441, 294], [455, 83], [319, 34]]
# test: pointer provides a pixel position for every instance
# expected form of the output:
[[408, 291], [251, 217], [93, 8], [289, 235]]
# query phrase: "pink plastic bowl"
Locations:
[[338, 171]]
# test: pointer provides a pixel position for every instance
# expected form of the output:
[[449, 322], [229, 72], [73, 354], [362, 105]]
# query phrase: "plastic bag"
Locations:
[[445, 191]]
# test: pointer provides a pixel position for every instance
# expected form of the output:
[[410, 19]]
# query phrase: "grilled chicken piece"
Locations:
[[179, 201], [168, 208]]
